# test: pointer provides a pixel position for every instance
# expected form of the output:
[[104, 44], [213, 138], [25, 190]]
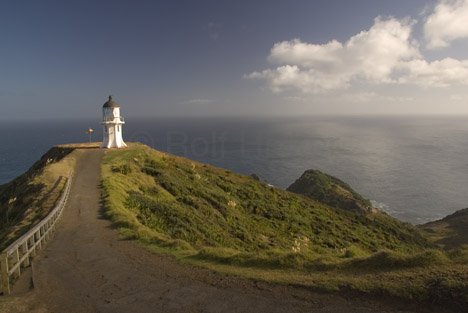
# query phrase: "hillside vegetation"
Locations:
[[236, 224], [330, 190], [27, 199], [30, 197], [450, 232]]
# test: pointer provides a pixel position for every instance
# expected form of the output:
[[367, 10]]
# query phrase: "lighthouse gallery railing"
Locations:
[[19, 253], [113, 120]]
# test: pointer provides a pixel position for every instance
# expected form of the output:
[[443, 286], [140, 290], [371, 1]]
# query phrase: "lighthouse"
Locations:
[[112, 125]]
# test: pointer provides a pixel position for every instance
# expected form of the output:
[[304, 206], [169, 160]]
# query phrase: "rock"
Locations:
[[255, 176]]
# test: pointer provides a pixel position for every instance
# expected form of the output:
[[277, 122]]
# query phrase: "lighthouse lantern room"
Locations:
[[112, 125]]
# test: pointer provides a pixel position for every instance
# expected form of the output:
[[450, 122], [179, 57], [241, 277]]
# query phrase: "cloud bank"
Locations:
[[447, 22], [386, 53]]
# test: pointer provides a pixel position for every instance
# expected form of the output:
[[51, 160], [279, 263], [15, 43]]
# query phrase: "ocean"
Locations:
[[414, 168]]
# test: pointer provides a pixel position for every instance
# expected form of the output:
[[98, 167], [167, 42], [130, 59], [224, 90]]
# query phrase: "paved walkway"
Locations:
[[86, 268]]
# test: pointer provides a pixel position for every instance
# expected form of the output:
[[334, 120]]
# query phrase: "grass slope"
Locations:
[[330, 190], [29, 198], [233, 223], [450, 232]]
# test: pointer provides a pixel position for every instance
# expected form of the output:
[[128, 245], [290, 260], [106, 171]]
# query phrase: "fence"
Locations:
[[20, 252]]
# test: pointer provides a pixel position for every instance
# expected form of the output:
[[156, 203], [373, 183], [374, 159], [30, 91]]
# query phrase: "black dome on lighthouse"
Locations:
[[111, 103]]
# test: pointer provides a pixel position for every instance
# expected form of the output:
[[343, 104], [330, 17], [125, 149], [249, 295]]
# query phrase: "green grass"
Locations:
[[233, 223], [330, 190], [451, 232]]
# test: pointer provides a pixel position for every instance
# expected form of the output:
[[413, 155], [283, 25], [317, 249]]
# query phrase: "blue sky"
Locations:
[[203, 58]]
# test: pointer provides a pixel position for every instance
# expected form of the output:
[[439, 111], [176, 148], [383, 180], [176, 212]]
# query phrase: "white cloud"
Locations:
[[457, 98], [294, 99], [370, 96], [446, 23], [306, 80], [359, 97], [439, 73], [384, 54], [297, 52]]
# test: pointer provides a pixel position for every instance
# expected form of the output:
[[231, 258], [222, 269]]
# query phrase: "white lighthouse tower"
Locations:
[[112, 125]]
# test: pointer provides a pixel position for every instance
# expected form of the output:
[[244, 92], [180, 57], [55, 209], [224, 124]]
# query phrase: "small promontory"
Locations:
[[330, 190], [451, 231]]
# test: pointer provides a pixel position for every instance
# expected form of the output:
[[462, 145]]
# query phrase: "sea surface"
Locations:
[[415, 168]]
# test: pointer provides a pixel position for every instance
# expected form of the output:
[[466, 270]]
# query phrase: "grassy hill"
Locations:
[[330, 190], [203, 206], [236, 224], [30, 197], [450, 232]]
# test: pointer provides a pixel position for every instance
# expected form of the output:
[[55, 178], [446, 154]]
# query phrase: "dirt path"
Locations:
[[86, 268]]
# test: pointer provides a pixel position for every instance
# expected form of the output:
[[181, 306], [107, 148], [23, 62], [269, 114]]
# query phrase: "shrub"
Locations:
[[459, 255], [354, 251], [122, 169], [151, 171], [393, 260]]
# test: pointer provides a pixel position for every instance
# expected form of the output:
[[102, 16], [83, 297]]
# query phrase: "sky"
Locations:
[[61, 59]]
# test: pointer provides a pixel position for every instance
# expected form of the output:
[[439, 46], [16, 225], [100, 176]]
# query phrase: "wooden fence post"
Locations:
[[17, 262], [38, 239], [25, 251], [32, 244], [5, 275]]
